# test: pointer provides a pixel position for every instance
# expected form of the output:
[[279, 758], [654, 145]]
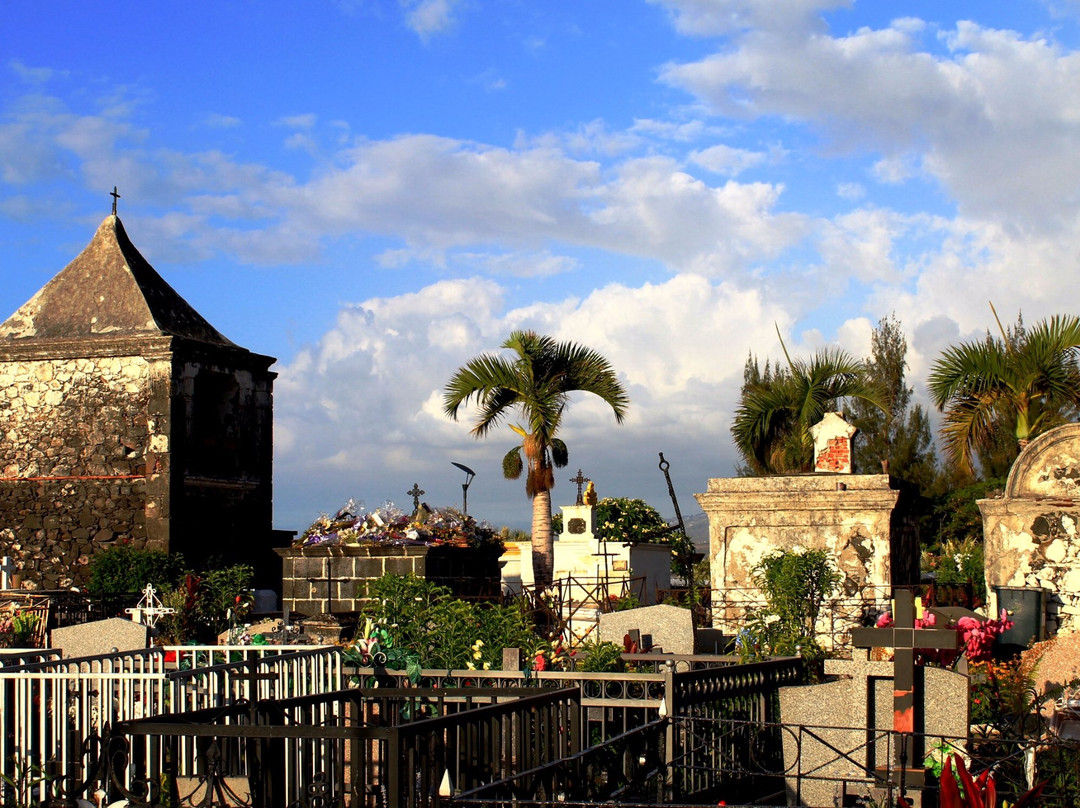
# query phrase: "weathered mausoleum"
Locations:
[[1031, 545], [863, 522], [125, 416]]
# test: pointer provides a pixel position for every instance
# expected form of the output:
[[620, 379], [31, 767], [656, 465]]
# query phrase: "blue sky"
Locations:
[[373, 191]]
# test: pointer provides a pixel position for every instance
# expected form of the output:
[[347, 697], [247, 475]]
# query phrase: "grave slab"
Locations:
[[101, 637], [671, 628]]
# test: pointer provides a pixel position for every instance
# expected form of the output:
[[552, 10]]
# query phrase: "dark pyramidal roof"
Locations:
[[109, 290]]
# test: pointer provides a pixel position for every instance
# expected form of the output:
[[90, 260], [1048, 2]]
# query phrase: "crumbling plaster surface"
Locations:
[[1030, 532], [850, 516]]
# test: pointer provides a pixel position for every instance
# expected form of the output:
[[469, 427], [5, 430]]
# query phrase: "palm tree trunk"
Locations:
[[543, 548]]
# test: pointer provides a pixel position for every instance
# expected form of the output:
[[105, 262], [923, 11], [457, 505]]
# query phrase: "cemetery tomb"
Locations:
[[1032, 551]]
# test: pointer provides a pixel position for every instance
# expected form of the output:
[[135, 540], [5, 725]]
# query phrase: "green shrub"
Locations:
[[443, 631], [123, 569], [600, 657], [795, 586]]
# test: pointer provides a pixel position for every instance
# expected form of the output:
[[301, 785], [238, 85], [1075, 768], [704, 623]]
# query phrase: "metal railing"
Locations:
[[49, 708], [377, 748]]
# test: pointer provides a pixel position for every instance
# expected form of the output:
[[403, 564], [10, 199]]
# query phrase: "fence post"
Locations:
[[669, 729]]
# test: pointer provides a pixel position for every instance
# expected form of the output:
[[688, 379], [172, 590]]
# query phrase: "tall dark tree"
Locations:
[[899, 436], [536, 383]]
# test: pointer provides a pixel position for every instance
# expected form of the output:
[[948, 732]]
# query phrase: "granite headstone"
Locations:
[[852, 717], [670, 628], [101, 637]]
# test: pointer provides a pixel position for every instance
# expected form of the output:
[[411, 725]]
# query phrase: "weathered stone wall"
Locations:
[[73, 434], [853, 517], [1030, 533]]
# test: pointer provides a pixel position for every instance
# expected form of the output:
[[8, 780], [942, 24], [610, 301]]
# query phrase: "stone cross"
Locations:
[[581, 479], [7, 569], [114, 196], [416, 492], [904, 638], [330, 581], [149, 609]]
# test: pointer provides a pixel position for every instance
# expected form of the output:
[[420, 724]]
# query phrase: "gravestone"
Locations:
[[101, 637], [856, 714], [670, 627]]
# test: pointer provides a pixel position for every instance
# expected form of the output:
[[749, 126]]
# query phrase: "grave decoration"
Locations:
[[389, 526], [22, 621]]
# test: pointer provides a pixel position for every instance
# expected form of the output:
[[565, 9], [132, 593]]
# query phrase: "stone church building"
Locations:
[[126, 417]]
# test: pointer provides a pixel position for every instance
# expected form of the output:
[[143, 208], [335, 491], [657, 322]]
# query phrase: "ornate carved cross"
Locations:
[[416, 492], [904, 638], [149, 609], [581, 479]]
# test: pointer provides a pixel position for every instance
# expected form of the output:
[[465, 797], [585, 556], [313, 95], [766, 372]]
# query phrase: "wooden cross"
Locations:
[[904, 638], [416, 492], [329, 586], [114, 196], [581, 479]]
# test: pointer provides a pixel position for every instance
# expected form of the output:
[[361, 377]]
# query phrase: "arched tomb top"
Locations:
[[1049, 466]]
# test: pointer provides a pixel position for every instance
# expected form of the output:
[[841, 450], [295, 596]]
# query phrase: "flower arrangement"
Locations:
[[17, 629], [390, 526], [976, 637]]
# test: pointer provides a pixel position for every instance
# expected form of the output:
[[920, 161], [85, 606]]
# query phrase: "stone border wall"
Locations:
[[469, 572]]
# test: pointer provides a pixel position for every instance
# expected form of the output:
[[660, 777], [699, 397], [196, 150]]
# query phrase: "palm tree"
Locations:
[[536, 384], [773, 420], [1026, 382]]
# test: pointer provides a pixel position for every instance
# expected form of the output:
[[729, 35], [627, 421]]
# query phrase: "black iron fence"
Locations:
[[378, 749]]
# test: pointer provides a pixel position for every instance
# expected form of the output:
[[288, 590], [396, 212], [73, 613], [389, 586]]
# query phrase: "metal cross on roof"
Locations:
[[114, 196], [149, 609], [580, 480], [904, 638], [416, 492]]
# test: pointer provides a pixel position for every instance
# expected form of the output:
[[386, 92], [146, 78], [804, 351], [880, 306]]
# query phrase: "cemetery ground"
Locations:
[[440, 700]]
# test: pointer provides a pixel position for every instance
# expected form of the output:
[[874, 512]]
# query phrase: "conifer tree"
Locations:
[[898, 438]]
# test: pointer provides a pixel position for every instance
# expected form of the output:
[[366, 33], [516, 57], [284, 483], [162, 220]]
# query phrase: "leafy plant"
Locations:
[[795, 586], [123, 569], [600, 657], [205, 605], [20, 784], [965, 791], [441, 630]]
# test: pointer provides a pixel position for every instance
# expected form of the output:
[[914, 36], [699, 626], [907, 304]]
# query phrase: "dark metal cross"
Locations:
[[329, 581], [904, 638], [416, 492], [580, 480], [114, 196]]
